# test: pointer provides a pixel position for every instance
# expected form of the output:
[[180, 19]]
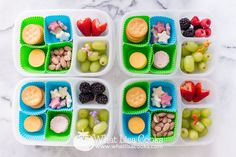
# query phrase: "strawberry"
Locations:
[[97, 28], [195, 21], [187, 90], [85, 26], [200, 93]]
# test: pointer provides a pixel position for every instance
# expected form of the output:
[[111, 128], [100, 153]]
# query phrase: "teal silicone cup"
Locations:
[[144, 135], [165, 20], [51, 85], [39, 135], [167, 87], [26, 109], [49, 37]]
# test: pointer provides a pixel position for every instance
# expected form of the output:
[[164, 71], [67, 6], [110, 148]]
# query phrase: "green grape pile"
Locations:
[[195, 56], [95, 123], [195, 123], [92, 56]]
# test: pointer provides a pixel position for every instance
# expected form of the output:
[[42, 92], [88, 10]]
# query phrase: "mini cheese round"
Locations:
[[36, 58], [136, 97], [136, 125], [138, 60], [59, 123], [161, 59], [33, 123]]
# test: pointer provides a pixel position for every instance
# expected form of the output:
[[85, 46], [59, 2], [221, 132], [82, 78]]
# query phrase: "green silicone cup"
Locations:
[[130, 110], [146, 39], [24, 55], [165, 139], [51, 135], [129, 49], [38, 20], [171, 51], [52, 47]]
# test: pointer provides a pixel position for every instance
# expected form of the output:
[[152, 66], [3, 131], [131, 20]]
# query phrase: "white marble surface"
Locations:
[[224, 11]]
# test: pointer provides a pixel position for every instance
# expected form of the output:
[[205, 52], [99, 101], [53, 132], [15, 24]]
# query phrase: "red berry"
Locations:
[[195, 21], [205, 23], [208, 32], [200, 33]]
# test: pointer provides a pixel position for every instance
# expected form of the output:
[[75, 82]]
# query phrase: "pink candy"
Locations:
[[161, 32], [165, 99], [55, 103]]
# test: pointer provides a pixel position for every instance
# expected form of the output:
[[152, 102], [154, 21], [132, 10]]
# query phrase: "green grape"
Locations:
[[207, 56], [202, 66], [191, 46], [197, 56], [95, 66], [198, 126], [84, 67], [100, 46], [103, 60], [81, 55], [203, 133], [89, 44], [100, 128], [94, 56], [186, 113], [91, 121], [184, 133], [196, 112], [193, 134], [206, 122], [189, 64], [185, 52], [89, 130], [205, 112], [182, 64], [185, 123], [83, 113], [82, 124], [103, 115]]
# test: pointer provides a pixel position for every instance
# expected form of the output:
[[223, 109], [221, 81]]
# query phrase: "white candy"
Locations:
[[63, 36], [63, 92], [163, 37], [68, 100], [55, 94]]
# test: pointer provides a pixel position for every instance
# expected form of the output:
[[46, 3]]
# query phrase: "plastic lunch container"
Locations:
[[208, 102], [41, 138], [69, 17], [175, 16]]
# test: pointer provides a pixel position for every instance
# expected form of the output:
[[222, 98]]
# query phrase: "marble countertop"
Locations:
[[224, 13]]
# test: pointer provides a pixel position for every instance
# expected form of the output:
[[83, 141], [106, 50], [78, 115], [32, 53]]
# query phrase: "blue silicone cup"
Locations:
[[145, 135], [51, 85], [167, 87], [49, 37], [165, 20], [28, 110], [40, 135]]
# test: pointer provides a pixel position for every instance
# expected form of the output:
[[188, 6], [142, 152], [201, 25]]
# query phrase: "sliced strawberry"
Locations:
[[200, 93], [187, 90], [85, 26], [97, 28]]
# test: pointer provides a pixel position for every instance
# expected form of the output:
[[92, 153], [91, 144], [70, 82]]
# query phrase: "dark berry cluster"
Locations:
[[91, 92]]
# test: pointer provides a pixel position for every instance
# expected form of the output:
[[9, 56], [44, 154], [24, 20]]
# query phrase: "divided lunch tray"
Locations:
[[77, 40], [181, 104], [76, 106], [175, 15]]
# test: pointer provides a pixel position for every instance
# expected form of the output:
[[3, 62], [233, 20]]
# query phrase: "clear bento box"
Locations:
[[67, 43]]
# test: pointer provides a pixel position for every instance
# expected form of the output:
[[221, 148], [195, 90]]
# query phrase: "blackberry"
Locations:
[[97, 88], [101, 99], [189, 32], [86, 97], [197, 27], [185, 23], [85, 87]]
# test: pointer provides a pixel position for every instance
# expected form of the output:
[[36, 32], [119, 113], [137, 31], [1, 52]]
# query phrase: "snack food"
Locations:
[[33, 123], [163, 124], [136, 97], [161, 33], [58, 29], [36, 58], [160, 98], [136, 30], [161, 59], [33, 97], [33, 34], [59, 123], [60, 58], [136, 125], [138, 60]]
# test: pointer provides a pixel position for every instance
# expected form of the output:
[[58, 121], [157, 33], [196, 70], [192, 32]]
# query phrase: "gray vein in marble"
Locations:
[[7, 28], [4, 98], [161, 4]]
